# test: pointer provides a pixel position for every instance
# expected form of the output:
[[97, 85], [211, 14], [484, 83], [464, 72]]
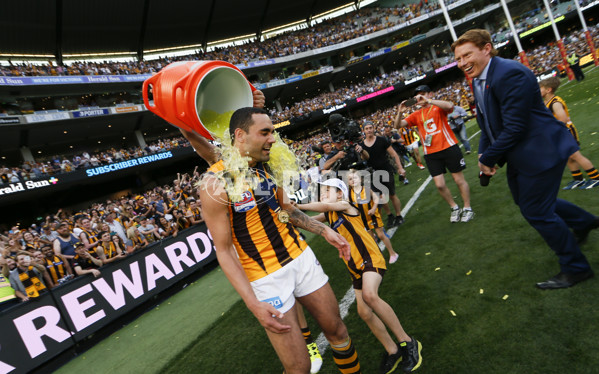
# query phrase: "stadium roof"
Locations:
[[69, 27]]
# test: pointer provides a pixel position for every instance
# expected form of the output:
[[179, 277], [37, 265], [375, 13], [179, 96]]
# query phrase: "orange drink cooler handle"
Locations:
[[146, 85]]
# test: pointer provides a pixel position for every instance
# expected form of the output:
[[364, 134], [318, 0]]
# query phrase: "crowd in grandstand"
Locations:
[[44, 168], [547, 57], [541, 59], [352, 25], [68, 244], [332, 31], [354, 90]]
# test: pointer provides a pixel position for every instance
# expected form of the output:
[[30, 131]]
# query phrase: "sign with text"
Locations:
[[35, 332], [90, 113], [27, 185], [127, 164], [72, 79], [8, 120]]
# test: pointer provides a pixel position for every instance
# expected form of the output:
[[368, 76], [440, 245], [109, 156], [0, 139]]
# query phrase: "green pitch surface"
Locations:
[[466, 291]]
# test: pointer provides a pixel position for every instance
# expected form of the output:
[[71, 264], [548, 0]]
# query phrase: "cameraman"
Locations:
[[456, 122], [379, 147], [345, 155], [345, 135]]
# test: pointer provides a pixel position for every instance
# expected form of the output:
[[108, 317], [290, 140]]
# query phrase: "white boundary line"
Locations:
[[349, 297]]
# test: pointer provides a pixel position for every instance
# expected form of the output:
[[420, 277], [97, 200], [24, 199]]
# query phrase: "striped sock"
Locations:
[[307, 335], [576, 174], [592, 173], [346, 357]]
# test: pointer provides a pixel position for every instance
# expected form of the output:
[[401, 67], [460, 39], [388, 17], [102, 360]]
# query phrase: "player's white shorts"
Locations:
[[300, 277], [412, 146]]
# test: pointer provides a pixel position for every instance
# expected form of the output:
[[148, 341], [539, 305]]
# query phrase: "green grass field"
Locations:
[[483, 271]]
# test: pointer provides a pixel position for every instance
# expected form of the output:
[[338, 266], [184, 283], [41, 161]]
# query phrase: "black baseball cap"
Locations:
[[423, 88]]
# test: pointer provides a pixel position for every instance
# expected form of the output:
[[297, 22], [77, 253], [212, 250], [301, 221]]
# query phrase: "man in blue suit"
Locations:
[[518, 130]]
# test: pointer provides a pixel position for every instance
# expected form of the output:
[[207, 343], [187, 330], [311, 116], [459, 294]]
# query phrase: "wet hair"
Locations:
[[551, 82], [478, 37], [242, 119]]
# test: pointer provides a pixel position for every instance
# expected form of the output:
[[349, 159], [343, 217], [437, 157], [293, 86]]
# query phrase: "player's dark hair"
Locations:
[[242, 119]]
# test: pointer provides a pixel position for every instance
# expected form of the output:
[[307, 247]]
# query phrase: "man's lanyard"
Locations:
[[422, 113]]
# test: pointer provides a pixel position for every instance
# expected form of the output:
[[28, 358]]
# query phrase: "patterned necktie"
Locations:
[[479, 93]]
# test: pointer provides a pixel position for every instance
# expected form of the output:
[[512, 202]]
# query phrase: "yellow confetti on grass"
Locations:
[[505, 297], [452, 313], [437, 269], [427, 253], [481, 291], [469, 272]]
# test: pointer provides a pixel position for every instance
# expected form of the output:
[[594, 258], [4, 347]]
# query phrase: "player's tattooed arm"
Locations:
[[302, 220]]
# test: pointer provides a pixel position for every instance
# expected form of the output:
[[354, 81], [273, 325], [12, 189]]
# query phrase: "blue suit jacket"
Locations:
[[527, 136]]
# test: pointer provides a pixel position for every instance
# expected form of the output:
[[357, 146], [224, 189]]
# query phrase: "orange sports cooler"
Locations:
[[182, 90]]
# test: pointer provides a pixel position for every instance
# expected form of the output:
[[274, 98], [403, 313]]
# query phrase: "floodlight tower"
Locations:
[[560, 42], [521, 52], [587, 33], [454, 37]]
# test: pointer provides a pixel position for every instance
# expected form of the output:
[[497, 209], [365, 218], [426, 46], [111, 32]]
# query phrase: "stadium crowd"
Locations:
[[353, 90], [46, 167], [332, 31], [547, 57], [70, 244]]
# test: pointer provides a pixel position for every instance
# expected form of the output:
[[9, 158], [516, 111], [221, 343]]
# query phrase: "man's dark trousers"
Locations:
[[551, 217]]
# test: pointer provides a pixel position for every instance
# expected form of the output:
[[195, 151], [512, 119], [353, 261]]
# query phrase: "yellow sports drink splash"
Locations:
[[216, 123], [239, 177]]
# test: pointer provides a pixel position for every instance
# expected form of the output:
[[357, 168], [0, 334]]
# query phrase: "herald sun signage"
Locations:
[[26, 186]]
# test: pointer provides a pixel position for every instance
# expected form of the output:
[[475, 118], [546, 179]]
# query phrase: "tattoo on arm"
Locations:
[[302, 220]]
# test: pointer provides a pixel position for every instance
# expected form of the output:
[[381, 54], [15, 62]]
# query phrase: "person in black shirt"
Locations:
[[383, 181], [84, 262]]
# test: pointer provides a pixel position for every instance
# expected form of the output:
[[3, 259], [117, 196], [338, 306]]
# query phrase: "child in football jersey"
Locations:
[[367, 201], [366, 267], [559, 109]]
